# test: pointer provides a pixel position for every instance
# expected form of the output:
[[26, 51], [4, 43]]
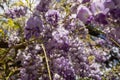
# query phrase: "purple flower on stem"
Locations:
[[97, 6], [83, 13], [61, 38]]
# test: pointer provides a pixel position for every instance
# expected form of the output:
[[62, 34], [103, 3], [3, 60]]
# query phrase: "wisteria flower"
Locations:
[[101, 18], [61, 35], [33, 27], [97, 6], [16, 13], [52, 17], [83, 13], [43, 5]]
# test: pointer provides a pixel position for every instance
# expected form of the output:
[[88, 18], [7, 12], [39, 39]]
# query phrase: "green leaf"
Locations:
[[2, 51], [6, 68], [10, 22], [67, 8], [91, 58], [63, 1], [13, 72], [1, 31], [28, 2], [17, 25]]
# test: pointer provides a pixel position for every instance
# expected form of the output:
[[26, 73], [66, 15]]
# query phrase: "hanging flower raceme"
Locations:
[[16, 13], [33, 27], [43, 5], [97, 6], [60, 35], [64, 68]]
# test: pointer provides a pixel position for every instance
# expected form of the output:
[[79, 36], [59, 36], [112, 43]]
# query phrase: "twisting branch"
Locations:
[[115, 42], [48, 68]]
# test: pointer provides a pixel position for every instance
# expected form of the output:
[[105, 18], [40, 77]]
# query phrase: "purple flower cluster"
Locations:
[[30, 62], [43, 6], [16, 13], [64, 68], [80, 44], [52, 17], [98, 9], [33, 27], [61, 35], [84, 60], [13, 39]]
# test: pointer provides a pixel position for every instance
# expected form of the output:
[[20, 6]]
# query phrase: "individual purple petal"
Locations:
[[115, 13], [85, 1], [101, 18], [109, 4], [117, 3], [83, 13]]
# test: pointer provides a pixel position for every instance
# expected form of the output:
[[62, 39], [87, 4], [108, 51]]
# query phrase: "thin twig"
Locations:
[[48, 68], [115, 42]]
